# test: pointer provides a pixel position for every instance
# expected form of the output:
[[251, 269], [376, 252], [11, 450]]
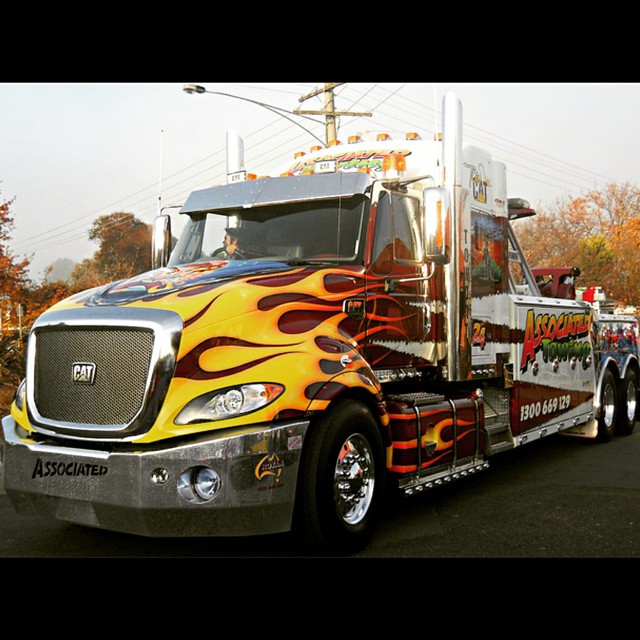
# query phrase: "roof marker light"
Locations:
[[394, 165]]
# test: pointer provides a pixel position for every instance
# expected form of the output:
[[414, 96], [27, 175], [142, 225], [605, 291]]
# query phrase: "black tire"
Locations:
[[628, 404], [608, 408], [337, 514]]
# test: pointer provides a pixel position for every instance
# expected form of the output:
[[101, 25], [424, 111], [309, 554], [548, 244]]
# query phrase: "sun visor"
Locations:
[[265, 191]]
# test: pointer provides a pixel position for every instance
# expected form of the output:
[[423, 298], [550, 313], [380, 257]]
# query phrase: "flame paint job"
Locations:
[[452, 426], [262, 322]]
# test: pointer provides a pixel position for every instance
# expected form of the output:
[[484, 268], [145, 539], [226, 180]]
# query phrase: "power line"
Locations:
[[397, 105], [492, 141]]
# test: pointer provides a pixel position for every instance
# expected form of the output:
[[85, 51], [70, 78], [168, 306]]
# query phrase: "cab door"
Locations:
[[397, 312]]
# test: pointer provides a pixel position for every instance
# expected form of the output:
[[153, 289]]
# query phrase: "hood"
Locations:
[[168, 280], [246, 323], [292, 298]]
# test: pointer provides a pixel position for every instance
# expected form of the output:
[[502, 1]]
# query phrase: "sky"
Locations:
[[70, 152]]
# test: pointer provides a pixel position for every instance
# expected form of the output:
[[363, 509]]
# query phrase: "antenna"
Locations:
[[161, 171], [435, 109]]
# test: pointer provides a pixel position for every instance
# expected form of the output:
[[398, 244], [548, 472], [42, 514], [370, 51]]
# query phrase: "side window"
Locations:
[[383, 239], [397, 233], [406, 220]]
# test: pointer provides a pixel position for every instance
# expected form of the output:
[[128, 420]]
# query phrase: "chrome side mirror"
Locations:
[[160, 241]]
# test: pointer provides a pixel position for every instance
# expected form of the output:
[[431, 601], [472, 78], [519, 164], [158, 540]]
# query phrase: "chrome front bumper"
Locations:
[[136, 492]]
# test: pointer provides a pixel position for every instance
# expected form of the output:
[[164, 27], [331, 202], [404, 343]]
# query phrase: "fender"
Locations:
[[358, 375]]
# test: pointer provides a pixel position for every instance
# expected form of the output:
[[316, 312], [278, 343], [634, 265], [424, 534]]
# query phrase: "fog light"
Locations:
[[199, 484], [206, 483]]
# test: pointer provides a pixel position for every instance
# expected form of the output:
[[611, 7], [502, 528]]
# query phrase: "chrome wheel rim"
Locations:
[[631, 401], [608, 402], [354, 479]]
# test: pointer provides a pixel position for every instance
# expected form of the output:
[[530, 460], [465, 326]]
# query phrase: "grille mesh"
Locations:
[[122, 358]]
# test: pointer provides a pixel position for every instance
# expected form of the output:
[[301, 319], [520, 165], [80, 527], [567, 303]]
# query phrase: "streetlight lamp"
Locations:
[[197, 88]]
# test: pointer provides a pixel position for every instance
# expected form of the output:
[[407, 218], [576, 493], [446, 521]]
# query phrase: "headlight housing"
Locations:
[[229, 402], [20, 394]]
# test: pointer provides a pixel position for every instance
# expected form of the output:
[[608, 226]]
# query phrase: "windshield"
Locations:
[[321, 230]]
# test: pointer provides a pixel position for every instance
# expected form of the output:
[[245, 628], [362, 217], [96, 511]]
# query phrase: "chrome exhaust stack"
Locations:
[[458, 268]]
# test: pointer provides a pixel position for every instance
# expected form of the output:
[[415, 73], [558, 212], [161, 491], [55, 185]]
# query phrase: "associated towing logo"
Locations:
[[48, 469], [557, 336]]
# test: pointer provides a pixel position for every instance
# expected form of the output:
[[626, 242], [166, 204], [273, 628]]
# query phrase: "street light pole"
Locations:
[[196, 88]]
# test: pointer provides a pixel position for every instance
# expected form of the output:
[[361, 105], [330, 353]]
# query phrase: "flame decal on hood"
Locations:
[[266, 323], [188, 366], [188, 280]]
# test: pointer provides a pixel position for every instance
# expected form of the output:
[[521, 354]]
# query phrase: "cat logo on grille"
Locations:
[[83, 372]]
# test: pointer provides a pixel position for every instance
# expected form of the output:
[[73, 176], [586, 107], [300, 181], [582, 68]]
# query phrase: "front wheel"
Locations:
[[341, 481], [608, 407]]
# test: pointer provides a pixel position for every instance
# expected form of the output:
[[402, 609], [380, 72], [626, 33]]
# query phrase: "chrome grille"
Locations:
[[122, 359], [99, 373]]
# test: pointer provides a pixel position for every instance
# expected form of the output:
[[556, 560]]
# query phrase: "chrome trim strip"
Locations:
[[11, 437], [167, 329]]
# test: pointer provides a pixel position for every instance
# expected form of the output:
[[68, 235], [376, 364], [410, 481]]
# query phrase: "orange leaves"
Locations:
[[13, 272], [597, 231]]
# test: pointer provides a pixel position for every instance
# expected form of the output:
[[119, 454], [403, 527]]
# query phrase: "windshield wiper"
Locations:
[[297, 262]]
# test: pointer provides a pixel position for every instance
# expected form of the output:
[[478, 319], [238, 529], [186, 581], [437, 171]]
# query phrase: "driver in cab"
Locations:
[[231, 249]]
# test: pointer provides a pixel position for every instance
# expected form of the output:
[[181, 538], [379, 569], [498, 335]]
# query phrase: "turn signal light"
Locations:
[[394, 162]]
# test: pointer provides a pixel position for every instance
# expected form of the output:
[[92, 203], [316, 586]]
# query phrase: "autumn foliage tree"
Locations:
[[13, 272], [13, 285], [124, 250], [598, 231]]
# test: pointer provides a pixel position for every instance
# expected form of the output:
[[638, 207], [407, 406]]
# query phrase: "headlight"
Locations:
[[229, 402], [20, 395]]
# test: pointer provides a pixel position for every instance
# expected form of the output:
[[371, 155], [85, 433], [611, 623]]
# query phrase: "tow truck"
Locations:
[[382, 329]]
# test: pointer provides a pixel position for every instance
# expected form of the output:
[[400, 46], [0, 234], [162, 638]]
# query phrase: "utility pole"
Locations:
[[329, 112]]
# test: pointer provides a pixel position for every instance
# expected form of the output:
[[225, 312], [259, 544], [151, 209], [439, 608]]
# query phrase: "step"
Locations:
[[499, 438], [417, 399]]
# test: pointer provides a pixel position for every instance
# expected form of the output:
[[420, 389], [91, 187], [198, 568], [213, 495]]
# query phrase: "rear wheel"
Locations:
[[341, 480], [608, 407], [627, 408]]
